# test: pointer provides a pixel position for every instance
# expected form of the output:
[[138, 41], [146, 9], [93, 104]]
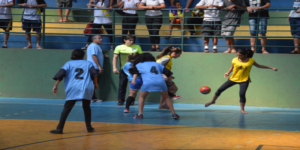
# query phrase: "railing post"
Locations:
[[182, 30], [44, 23], [113, 27], [257, 30]]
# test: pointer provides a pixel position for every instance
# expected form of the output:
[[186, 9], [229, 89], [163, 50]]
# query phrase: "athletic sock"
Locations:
[[206, 47], [215, 47], [129, 100]]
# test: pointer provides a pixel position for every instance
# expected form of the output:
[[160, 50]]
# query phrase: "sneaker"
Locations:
[[158, 50], [96, 100], [126, 110], [84, 48], [138, 116], [4, 46], [175, 116], [90, 129], [176, 97], [152, 49], [56, 131], [215, 51], [206, 51], [121, 102]]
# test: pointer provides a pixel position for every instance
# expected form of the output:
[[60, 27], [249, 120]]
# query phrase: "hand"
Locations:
[[150, 7], [24, 5], [275, 69], [54, 90], [171, 77], [249, 9], [89, 5], [115, 70], [96, 86], [125, 8], [255, 8], [232, 9], [110, 8], [105, 55], [187, 10], [210, 6], [195, 13], [30, 6], [133, 82], [226, 75], [100, 70], [288, 19]]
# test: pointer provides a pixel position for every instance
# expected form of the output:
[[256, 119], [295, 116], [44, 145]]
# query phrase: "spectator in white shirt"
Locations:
[[6, 18]]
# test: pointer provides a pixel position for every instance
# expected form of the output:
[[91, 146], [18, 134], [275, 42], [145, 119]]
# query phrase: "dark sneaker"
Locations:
[[138, 116], [206, 51], [56, 131], [90, 129], [215, 51], [126, 110], [121, 102], [158, 50], [4, 46], [175, 116], [152, 49]]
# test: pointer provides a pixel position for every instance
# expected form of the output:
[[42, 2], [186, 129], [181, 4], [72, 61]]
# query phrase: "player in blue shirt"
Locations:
[[133, 88], [80, 83], [153, 80]]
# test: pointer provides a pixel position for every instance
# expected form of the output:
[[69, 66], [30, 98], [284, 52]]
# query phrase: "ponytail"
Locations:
[[169, 50], [249, 53], [132, 57]]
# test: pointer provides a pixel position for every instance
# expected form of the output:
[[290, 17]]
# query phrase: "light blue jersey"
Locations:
[[95, 49], [126, 68], [153, 80], [78, 79]]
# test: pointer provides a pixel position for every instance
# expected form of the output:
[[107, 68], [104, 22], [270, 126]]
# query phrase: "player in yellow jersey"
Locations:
[[240, 68], [165, 58]]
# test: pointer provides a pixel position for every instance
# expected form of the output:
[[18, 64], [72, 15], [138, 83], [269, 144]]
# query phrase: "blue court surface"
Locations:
[[190, 115]]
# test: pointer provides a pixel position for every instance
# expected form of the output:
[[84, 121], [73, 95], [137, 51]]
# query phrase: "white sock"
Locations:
[[205, 47], [215, 47]]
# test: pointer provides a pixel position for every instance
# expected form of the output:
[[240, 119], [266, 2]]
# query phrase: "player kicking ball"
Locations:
[[80, 83]]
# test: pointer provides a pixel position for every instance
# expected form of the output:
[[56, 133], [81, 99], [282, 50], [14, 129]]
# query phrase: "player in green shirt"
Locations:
[[122, 51]]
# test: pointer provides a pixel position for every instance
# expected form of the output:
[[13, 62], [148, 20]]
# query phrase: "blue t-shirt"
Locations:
[[153, 80], [126, 68], [78, 79], [95, 49]]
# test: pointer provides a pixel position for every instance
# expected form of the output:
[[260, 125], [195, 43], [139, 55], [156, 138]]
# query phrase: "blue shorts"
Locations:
[[155, 86], [262, 26], [295, 26], [138, 84]]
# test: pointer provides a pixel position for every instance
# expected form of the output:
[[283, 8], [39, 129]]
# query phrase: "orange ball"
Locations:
[[205, 89]]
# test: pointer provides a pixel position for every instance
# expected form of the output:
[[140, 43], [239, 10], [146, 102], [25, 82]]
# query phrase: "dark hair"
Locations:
[[175, 2], [247, 52], [132, 57], [77, 54], [128, 37], [169, 50], [144, 57]]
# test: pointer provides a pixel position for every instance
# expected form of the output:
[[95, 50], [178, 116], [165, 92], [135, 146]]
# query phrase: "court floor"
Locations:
[[25, 124]]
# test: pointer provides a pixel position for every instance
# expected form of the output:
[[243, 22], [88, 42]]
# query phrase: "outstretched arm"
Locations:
[[228, 72], [262, 66]]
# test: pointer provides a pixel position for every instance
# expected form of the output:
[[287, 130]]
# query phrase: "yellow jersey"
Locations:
[[166, 61], [241, 70]]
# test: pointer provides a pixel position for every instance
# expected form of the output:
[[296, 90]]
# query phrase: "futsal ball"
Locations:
[[205, 89]]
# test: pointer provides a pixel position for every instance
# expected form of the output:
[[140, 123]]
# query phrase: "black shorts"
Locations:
[[211, 28], [6, 24], [65, 3], [36, 25]]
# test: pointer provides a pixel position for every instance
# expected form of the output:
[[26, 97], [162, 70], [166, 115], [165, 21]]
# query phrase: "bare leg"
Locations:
[[171, 27], [143, 95], [243, 108], [206, 41], [213, 101], [165, 96], [252, 42], [228, 42], [67, 12], [296, 44], [215, 41], [6, 36], [263, 41], [60, 15], [28, 38], [38, 39], [162, 104], [133, 93]]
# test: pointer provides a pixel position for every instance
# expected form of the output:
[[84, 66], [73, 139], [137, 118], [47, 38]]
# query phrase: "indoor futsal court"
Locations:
[[25, 125]]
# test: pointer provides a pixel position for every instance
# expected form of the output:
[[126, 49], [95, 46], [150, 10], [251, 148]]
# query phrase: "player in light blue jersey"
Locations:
[[153, 80], [80, 83], [133, 88]]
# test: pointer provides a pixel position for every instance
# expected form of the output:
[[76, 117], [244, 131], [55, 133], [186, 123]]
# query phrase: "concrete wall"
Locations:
[[29, 73]]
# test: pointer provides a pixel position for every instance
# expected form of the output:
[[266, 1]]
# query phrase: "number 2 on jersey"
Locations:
[[80, 72], [154, 70]]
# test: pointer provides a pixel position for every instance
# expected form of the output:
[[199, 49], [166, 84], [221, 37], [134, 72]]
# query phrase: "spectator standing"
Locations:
[[32, 19], [101, 18], [130, 18], [294, 19], [66, 4], [96, 56], [211, 24], [6, 19], [255, 8], [153, 20], [232, 19]]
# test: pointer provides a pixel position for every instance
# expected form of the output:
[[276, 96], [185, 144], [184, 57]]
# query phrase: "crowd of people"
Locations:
[[206, 13]]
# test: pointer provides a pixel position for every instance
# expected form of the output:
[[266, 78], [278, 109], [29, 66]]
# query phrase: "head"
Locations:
[[132, 57], [244, 53], [177, 4], [129, 40], [143, 58], [97, 39], [174, 52], [77, 54]]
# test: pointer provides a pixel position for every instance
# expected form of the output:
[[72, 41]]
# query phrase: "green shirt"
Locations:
[[123, 51]]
